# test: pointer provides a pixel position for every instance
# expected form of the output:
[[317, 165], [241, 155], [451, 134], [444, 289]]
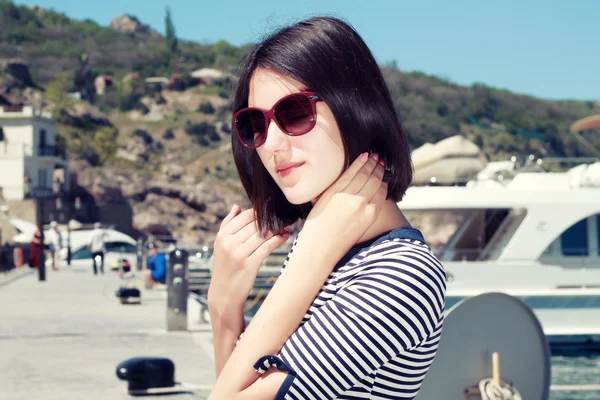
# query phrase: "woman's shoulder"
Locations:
[[405, 272], [403, 253], [397, 246], [401, 256]]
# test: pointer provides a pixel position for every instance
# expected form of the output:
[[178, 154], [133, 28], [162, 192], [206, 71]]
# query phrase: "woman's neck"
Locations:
[[390, 218]]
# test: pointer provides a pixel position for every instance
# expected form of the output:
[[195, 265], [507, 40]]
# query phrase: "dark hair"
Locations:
[[328, 56]]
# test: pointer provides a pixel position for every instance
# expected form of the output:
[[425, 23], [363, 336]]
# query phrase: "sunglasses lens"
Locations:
[[295, 115], [251, 127]]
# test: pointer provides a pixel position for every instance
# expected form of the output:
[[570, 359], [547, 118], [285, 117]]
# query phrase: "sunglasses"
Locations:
[[294, 114]]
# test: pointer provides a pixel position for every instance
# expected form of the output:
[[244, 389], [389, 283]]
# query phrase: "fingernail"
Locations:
[[381, 162], [375, 156], [364, 156]]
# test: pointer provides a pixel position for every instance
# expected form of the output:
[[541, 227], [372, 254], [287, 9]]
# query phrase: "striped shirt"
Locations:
[[374, 328]]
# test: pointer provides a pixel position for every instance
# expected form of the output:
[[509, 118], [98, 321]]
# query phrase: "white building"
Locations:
[[28, 152]]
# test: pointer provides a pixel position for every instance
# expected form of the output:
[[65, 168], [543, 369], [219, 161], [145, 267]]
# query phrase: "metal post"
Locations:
[[139, 255], [177, 290], [40, 224], [69, 240], [145, 256]]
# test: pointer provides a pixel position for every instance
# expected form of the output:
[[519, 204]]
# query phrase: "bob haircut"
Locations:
[[329, 57]]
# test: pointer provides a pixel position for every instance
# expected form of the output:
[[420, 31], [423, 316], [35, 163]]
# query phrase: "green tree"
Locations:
[[104, 143], [393, 64], [170, 37], [57, 90]]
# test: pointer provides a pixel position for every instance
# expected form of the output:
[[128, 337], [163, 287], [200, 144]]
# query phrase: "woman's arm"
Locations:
[[337, 220], [277, 319], [226, 331], [239, 252]]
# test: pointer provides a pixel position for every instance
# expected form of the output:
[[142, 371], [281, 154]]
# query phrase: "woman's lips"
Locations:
[[282, 173]]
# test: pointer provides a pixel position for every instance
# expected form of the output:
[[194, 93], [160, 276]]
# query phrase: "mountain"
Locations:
[[51, 43], [166, 146]]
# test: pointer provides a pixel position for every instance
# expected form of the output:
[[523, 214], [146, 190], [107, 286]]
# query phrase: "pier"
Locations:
[[63, 338]]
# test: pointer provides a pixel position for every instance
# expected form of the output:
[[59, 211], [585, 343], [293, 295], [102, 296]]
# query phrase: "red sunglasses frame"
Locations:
[[269, 116]]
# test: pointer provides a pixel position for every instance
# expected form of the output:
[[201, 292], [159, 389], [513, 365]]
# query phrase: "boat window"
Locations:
[[468, 234], [82, 253], [120, 247], [574, 241]]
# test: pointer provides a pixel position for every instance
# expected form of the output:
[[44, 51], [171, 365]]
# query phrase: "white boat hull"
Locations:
[[565, 300]]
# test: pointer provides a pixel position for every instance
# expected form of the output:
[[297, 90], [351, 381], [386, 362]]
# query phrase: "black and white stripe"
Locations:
[[373, 330]]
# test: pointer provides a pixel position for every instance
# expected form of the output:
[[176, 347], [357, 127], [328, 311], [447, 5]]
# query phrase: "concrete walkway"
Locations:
[[63, 338]]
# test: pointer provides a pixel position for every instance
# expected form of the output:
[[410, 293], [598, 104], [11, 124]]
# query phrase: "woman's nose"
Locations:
[[276, 139]]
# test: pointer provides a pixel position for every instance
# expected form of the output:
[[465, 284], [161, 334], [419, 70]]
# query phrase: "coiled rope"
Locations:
[[493, 388]]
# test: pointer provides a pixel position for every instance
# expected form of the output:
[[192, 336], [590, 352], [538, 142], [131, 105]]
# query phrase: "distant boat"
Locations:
[[119, 246]]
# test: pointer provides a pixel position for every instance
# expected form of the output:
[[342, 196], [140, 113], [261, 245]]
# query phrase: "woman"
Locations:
[[357, 311]]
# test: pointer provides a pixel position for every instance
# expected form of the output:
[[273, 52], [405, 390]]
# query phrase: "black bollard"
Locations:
[[143, 373], [129, 295]]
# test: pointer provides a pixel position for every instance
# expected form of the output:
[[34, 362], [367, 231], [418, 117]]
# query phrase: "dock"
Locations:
[[63, 338]]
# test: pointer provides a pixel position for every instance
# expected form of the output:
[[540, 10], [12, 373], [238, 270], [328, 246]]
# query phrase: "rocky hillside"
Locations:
[[170, 157], [165, 146]]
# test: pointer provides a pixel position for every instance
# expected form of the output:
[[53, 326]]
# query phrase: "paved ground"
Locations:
[[63, 338]]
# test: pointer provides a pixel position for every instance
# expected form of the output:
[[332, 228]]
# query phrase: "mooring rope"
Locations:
[[491, 390]]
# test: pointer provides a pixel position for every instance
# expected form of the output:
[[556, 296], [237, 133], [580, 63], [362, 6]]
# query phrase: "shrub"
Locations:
[[168, 135], [206, 108]]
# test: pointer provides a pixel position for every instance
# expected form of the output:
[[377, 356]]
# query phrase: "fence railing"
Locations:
[[185, 278]]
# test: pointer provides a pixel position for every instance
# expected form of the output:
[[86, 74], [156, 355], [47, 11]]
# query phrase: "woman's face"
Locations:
[[303, 166]]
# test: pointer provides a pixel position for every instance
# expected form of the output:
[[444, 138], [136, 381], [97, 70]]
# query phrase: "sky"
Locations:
[[544, 48]]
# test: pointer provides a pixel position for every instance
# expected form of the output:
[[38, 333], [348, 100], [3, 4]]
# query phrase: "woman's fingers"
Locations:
[[239, 221], [235, 210], [373, 183], [362, 176], [380, 194], [266, 248], [246, 232], [349, 173], [255, 241]]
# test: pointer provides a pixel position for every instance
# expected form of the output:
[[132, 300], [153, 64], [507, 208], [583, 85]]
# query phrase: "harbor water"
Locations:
[[583, 369]]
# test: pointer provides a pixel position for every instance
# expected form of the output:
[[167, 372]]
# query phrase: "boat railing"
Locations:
[[542, 165], [577, 258], [516, 166]]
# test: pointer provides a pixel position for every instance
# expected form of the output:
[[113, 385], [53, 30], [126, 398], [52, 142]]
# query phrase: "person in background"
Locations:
[[157, 268], [54, 244], [97, 247], [36, 242]]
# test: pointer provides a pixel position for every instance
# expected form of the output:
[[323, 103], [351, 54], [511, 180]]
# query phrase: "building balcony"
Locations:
[[39, 192], [47, 151], [19, 111], [51, 151]]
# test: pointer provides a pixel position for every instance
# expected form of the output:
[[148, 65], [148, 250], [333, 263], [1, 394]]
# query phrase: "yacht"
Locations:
[[530, 230]]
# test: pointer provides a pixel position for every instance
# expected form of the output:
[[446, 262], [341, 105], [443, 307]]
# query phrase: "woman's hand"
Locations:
[[347, 209], [239, 251]]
